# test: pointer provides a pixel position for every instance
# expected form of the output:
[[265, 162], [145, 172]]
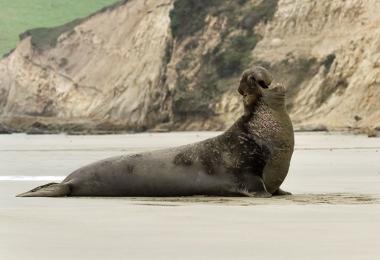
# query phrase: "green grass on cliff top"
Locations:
[[17, 16]]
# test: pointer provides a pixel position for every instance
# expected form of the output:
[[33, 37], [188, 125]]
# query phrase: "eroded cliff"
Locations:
[[106, 70], [175, 65]]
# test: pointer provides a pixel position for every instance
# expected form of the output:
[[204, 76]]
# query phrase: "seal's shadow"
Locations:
[[298, 199]]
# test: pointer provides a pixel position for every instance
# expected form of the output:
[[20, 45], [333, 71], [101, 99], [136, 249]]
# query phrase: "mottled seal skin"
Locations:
[[273, 126], [250, 159]]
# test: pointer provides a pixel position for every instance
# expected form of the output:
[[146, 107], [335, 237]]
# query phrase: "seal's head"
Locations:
[[252, 82], [255, 84]]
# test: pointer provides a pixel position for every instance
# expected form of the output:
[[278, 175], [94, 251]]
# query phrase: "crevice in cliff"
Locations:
[[204, 74]]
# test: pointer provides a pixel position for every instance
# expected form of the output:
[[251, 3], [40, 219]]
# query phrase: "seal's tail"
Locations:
[[48, 190]]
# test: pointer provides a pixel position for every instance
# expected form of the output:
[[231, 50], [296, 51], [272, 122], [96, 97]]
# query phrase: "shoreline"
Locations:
[[45, 126]]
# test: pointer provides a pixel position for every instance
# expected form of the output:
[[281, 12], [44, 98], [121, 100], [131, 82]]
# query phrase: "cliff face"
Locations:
[[334, 48], [175, 64], [108, 67]]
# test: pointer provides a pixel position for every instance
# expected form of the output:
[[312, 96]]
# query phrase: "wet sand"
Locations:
[[333, 214]]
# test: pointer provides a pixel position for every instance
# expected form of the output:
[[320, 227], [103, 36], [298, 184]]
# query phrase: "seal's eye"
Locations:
[[262, 84]]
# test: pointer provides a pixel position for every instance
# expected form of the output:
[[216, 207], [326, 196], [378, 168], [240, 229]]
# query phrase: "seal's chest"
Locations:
[[266, 125]]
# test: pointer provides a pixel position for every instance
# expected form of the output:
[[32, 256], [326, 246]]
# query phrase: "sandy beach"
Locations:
[[333, 214]]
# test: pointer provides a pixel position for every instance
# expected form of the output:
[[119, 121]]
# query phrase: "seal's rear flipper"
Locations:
[[48, 190]]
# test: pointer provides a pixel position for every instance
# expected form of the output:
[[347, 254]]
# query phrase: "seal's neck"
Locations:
[[271, 102], [274, 98]]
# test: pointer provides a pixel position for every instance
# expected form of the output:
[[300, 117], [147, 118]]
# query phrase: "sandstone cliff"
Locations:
[[108, 67], [175, 64]]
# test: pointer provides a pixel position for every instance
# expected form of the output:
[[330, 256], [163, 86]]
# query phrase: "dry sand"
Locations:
[[334, 214]]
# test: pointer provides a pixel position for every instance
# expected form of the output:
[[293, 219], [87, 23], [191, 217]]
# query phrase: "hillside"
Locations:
[[17, 16], [175, 64]]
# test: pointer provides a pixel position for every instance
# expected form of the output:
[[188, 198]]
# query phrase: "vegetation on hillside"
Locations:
[[227, 60], [188, 16], [17, 16]]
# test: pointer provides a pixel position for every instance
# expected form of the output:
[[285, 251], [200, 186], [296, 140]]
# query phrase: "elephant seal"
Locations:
[[250, 159]]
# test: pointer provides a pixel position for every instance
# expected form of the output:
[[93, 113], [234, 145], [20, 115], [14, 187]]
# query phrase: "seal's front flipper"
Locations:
[[281, 192], [262, 194], [48, 190], [256, 188], [255, 194]]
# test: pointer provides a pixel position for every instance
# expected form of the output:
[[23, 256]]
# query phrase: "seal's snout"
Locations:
[[279, 88]]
